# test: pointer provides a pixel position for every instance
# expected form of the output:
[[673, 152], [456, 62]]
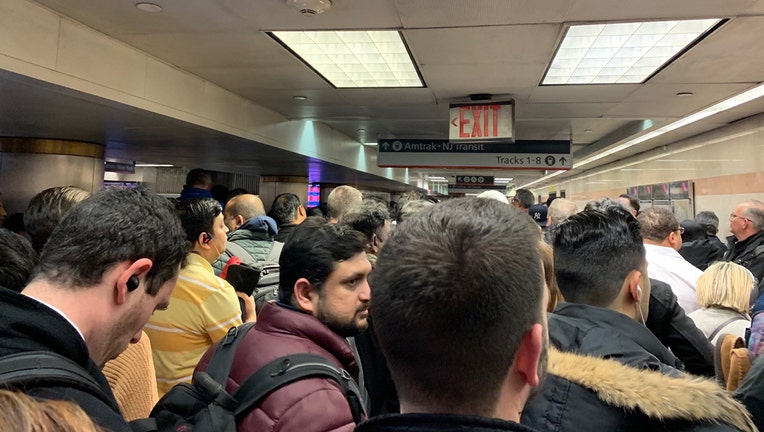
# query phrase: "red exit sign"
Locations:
[[491, 121]]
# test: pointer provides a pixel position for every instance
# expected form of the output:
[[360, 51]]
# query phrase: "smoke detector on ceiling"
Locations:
[[310, 7]]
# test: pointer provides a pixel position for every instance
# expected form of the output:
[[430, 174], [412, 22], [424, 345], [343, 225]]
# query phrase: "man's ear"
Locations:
[[137, 268], [301, 212], [375, 244], [238, 221], [632, 280], [305, 296], [528, 355]]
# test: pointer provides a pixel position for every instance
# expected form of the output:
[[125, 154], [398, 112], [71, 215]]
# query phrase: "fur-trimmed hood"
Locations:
[[658, 396]]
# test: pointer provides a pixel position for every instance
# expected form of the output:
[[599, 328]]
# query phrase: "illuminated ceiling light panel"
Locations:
[[353, 59], [623, 53]]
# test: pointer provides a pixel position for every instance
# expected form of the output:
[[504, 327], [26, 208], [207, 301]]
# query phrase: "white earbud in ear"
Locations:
[[639, 293]]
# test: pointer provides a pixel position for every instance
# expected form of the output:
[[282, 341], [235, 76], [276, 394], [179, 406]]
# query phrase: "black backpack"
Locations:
[[259, 279], [204, 405]]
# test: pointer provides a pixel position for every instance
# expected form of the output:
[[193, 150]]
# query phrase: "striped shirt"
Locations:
[[202, 309]]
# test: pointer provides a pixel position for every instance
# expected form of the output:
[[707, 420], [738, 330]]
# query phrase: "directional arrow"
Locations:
[[563, 160], [386, 145], [453, 122]]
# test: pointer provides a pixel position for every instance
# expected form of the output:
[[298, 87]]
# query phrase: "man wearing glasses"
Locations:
[[662, 236], [746, 244]]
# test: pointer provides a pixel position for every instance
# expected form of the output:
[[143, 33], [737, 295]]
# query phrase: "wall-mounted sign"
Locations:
[[474, 180], [490, 121], [549, 155], [119, 167]]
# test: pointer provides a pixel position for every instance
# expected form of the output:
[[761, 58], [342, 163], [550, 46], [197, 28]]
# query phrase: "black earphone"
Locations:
[[133, 283], [206, 238]]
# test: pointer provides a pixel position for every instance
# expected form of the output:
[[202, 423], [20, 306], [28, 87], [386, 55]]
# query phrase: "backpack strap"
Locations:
[[290, 368], [236, 250], [220, 364], [275, 252], [37, 369]]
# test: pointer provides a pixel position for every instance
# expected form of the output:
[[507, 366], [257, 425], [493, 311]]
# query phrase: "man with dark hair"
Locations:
[[287, 211], [746, 244], [341, 200], [460, 311], [203, 306], [112, 261], [323, 298], [251, 234], [662, 236], [610, 382], [710, 223], [373, 220], [523, 199], [18, 258], [629, 203], [198, 185], [47, 208]]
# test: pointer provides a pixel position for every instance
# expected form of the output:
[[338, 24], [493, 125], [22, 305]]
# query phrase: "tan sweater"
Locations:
[[132, 378]]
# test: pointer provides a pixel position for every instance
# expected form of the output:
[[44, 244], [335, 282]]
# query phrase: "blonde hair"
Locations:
[[24, 413], [726, 285], [547, 258]]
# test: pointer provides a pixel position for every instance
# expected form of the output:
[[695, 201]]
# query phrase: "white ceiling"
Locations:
[[461, 47]]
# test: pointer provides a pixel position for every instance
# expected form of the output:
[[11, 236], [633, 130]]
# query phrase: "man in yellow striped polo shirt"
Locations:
[[202, 308]]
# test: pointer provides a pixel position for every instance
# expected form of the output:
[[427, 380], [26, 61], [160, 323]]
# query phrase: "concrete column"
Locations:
[[272, 186], [29, 165]]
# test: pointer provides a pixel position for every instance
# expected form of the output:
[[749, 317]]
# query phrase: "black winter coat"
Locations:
[[438, 423]]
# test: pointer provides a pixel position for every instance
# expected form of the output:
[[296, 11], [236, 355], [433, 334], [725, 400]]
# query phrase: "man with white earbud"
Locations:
[[611, 373]]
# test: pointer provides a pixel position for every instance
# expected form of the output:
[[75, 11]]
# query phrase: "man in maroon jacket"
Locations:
[[323, 299]]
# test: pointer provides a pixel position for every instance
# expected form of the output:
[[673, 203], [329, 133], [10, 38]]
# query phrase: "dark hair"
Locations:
[[692, 231], [220, 193], [284, 208], [633, 202], [709, 220], [18, 258], [312, 251], [197, 216], [198, 177], [112, 226], [594, 252], [657, 223], [368, 218], [525, 198], [236, 192], [315, 212], [592, 206], [15, 222], [454, 290], [46, 210]]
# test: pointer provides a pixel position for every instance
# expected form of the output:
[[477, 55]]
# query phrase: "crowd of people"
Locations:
[[487, 313]]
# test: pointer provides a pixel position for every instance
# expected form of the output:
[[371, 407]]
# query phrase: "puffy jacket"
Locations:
[[621, 378], [308, 405], [256, 237]]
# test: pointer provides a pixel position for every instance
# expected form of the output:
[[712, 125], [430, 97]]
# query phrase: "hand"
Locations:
[[249, 307]]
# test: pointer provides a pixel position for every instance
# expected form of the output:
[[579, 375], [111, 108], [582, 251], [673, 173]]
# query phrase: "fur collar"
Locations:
[[657, 395]]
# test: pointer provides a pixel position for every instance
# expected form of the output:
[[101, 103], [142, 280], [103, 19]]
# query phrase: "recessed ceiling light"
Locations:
[[685, 94], [354, 58], [361, 130], [149, 7], [300, 98], [621, 53], [150, 165], [588, 131]]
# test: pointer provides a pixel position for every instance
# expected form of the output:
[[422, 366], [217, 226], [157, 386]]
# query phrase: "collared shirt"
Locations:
[[58, 311], [666, 265]]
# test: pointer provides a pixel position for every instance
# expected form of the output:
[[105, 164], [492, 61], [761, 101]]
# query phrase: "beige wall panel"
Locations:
[[92, 56], [29, 32], [172, 87]]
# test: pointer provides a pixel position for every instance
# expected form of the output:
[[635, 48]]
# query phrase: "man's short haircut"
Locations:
[[726, 285], [368, 218], [455, 289], [754, 212], [246, 205], [412, 207], [594, 252], [657, 223], [561, 209], [525, 198], [198, 177], [112, 226], [18, 258], [692, 231], [341, 200], [313, 250], [46, 210], [709, 220], [197, 216], [284, 208], [633, 202], [592, 206]]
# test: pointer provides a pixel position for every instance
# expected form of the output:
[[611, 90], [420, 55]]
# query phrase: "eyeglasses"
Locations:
[[733, 216], [680, 229]]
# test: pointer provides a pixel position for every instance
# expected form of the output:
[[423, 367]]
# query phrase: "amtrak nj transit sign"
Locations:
[[550, 155]]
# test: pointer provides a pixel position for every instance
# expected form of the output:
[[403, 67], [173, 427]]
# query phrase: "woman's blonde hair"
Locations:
[[726, 285], [19, 412], [547, 258]]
